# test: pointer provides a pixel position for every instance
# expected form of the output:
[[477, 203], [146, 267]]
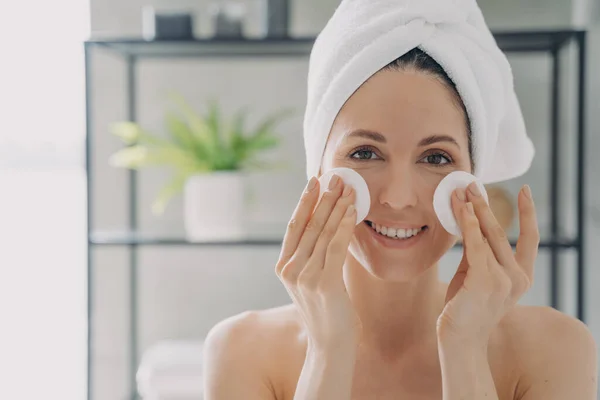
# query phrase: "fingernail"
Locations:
[[470, 208], [311, 184], [350, 210], [333, 182], [474, 189], [527, 191], [460, 193], [347, 190]]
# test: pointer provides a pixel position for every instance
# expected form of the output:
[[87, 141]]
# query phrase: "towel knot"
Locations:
[[449, 12], [434, 12]]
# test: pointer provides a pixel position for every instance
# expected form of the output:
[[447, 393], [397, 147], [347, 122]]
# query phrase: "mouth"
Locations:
[[395, 238]]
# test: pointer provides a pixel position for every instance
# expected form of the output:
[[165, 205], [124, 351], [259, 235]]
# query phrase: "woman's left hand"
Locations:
[[490, 278]]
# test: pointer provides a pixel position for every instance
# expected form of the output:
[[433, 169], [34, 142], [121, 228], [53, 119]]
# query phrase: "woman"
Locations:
[[369, 317]]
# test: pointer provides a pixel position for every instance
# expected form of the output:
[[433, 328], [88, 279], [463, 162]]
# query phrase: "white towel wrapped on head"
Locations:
[[364, 36]]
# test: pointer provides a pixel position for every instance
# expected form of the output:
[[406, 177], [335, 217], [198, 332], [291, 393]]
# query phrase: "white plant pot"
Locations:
[[214, 206]]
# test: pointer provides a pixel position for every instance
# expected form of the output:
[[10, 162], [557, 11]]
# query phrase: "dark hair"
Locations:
[[418, 60]]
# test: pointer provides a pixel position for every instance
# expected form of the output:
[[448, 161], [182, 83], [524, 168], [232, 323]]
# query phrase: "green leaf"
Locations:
[[235, 141], [258, 145], [265, 128], [262, 165], [198, 127], [168, 192], [263, 143], [135, 157], [182, 134], [236, 132], [132, 133], [179, 131], [128, 132], [214, 123], [263, 137], [219, 144], [130, 157]]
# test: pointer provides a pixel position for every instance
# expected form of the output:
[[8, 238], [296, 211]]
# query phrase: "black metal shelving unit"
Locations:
[[134, 50]]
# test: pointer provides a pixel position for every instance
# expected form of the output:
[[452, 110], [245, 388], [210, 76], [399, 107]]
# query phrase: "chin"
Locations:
[[400, 262], [395, 273]]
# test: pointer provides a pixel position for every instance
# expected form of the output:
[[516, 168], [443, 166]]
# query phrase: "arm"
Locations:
[[466, 373], [234, 365], [232, 362], [327, 374], [560, 361]]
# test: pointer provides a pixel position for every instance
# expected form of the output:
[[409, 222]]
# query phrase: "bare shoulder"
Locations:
[[254, 346], [256, 327], [554, 352], [253, 332], [536, 328]]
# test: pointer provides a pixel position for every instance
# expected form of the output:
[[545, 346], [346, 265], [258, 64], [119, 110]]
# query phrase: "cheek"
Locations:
[[426, 182], [431, 176]]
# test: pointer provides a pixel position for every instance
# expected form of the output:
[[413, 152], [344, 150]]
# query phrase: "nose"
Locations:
[[398, 188]]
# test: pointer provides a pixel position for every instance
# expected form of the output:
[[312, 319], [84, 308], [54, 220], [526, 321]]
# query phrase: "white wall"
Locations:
[[184, 291]]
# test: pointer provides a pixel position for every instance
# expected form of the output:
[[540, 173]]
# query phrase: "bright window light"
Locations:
[[42, 199]]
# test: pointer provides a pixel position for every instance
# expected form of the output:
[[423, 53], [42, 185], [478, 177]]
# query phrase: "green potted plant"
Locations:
[[209, 157]]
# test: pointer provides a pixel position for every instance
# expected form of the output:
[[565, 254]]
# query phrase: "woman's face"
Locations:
[[403, 132]]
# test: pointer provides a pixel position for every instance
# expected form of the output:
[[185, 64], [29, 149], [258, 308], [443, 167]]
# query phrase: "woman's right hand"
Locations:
[[311, 260]]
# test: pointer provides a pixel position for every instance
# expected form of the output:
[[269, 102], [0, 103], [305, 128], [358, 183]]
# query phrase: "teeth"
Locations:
[[395, 233]]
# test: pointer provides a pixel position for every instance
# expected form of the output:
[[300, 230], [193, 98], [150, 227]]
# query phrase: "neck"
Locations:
[[395, 316]]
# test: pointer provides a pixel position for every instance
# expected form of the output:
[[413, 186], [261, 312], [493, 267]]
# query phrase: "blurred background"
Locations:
[[117, 256]]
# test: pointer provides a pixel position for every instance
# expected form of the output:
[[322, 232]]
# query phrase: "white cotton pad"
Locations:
[[352, 178], [441, 198]]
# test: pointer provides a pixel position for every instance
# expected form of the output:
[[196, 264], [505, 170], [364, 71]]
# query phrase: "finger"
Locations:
[[333, 225], [337, 250], [298, 221], [475, 248], [491, 229], [529, 235], [317, 222], [457, 202]]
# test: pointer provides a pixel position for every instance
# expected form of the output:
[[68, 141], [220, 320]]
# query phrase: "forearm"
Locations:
[[466, 373], [327, 374]]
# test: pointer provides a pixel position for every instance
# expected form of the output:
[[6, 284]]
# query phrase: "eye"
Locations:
[[437, 159], [363, 153]]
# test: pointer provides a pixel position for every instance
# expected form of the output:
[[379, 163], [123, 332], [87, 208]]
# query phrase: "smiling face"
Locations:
[[402, 131]]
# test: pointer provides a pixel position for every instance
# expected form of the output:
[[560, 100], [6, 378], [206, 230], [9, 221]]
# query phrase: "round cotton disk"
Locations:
[[352, 178], [443, 193]]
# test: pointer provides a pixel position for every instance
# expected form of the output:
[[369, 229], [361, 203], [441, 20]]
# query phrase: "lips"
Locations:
[[395, 243], [395, 233]]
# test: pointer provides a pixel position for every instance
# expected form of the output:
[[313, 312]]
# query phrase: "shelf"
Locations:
[[129, 239], [526, 41], [125, 239], [510, 41], [136, 47]]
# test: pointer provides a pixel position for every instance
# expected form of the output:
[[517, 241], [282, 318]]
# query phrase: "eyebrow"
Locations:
[[367, 134], [378, 137], [438, 138]]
